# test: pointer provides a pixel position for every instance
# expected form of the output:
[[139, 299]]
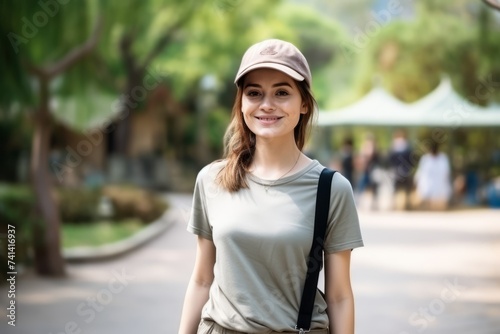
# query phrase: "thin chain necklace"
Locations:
[[267, 186]]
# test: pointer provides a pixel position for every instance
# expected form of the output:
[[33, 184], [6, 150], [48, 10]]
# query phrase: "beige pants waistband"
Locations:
[[210, 327]]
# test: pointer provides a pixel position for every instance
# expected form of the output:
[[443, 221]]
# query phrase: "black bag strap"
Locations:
[[315, 259]]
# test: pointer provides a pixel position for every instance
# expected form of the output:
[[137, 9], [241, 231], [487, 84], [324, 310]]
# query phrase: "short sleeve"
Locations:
[[343, 230], [198, 221]]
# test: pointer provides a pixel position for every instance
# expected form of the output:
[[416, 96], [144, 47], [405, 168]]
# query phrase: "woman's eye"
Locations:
[[282, 93], [253, 93]]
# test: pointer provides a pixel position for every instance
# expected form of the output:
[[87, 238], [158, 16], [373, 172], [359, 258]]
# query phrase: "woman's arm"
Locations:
[[199, 286], [338, 292]]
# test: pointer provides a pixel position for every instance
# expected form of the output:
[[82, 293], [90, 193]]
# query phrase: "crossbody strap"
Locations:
[[315, 259]]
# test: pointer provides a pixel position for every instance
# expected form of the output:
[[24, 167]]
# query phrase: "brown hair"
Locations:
[[239, 140]]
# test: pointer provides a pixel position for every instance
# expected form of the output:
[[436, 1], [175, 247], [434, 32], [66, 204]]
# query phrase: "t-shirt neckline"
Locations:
[[283, 180]]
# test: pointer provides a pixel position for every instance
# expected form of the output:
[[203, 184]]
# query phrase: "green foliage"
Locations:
[[320, 40], [217, 123], [445, 38], [17, 208], [317, 36], [214, 40], [200, 38], [38, 35], [78, 205], [16, 205]]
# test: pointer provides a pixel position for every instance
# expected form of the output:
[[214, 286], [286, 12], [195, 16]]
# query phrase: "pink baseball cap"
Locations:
[[276, 54]]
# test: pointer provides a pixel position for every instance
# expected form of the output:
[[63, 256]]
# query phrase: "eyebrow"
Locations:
[[275, 85]]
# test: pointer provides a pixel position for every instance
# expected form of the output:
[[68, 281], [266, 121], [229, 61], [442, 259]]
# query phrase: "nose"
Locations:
[[267, 104]]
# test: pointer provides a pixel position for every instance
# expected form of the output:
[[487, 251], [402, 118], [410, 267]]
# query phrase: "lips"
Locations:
[[268, 118]]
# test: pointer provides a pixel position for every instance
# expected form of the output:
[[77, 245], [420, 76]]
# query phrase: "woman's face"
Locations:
[[271, 103]]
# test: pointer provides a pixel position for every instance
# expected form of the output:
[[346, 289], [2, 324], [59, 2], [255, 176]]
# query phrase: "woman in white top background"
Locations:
[[253, 211], [433, 179]]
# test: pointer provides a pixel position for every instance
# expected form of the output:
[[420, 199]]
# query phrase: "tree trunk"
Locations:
[[122, 134], [47, 243], [48, 258], [130, 100]]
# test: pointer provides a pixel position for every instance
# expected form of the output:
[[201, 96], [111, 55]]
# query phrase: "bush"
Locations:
[[78, 204], [17, 208], [17, 203], [131, 202]]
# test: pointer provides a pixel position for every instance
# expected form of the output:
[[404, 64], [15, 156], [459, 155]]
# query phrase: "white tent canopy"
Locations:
[[442, 107]]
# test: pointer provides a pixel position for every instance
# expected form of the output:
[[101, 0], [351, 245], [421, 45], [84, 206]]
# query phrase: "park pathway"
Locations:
[[418, 273]]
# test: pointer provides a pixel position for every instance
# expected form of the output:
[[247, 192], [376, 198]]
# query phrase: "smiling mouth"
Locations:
[[268, 119]]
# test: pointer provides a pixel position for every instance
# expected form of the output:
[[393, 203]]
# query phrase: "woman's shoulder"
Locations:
[[210, 171], [339, 182]]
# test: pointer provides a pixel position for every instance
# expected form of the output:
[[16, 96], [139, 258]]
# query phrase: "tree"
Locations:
[[30, 32]]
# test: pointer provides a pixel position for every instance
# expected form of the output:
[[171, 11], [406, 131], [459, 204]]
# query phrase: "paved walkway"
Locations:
[[418, 273]]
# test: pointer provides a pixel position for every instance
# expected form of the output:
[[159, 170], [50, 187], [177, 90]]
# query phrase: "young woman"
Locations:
[[253, 212]]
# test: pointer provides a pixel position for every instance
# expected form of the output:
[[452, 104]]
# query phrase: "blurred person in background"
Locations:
[[347, 160], [253, 211], [401, 168], [433, 180], [368, 162]]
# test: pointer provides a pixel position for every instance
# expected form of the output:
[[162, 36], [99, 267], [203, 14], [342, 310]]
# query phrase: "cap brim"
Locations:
[[282, 68]]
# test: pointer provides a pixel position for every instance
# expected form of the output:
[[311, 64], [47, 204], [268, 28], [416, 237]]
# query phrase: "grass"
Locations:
[[98, 233]]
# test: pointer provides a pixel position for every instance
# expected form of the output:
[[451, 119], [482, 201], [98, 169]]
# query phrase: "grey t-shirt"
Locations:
[[262, 239]]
